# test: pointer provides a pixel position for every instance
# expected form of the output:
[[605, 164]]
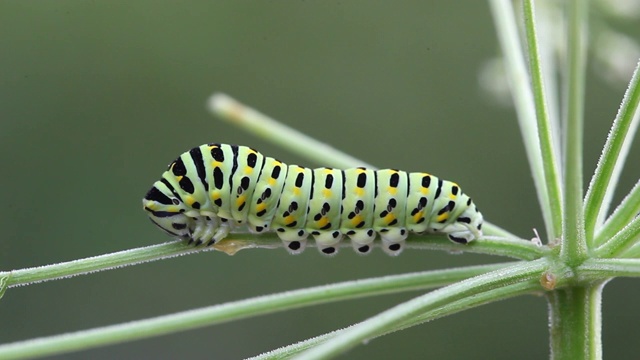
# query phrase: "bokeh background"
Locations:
[[96, 97]]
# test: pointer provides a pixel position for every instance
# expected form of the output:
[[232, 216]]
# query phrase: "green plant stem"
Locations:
[[574, 245], [598, 269], [467, 303], [624, 213], [237, 310], [622, 241], [97, 263], [387, 320], [549, 153], [494, 230], [253, 121], [633, 252], [261, 125], [516, 248], [507, 31], [4, 284], [614, 153], [576, 322]]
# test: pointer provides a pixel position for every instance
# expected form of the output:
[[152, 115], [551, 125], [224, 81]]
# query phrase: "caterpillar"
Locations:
[[212, 188]]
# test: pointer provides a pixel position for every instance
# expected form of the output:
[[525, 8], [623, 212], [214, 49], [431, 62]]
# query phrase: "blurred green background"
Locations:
[[96, 97]]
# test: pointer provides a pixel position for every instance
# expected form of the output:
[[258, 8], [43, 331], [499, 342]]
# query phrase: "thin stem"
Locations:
[[251, 120], [549, 153], [633, 252], [261, 125], [622, 241], [494, 230], [4, 284], [388, 319], [599, 269], [507, 31], [516, 248], [513, 248], [614, 153], [97, 263], [576, 322], [467, 303], [237, 310], [574, 245], [624, 213]]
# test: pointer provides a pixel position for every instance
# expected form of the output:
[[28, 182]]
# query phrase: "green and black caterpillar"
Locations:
[[212, 188]]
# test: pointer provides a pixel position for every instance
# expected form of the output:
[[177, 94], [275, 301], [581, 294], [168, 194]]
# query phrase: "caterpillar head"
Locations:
[[467, 227], [166, 211]]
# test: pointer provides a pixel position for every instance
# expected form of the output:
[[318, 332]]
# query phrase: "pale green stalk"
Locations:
[[515, 248], [288, 138], [253, 121], [399, 314], [192, 319], [507, 31], [612, 160], [598, 269], [624, 213], [97, 263], [4, 284], [574, 245], [466, 303], [549, 153], [622, 241]]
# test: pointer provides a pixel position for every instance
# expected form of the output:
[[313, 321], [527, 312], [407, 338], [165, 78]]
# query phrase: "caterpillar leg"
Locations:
[[462, 233], [207, 228], [362, 240], [221, 232], [327, 241], [461, 237], [393, 240], [294, 240]]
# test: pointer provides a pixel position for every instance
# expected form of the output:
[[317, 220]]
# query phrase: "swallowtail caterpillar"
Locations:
[[213, 188]]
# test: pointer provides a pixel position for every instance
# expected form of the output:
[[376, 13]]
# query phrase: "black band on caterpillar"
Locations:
[[214, 187]]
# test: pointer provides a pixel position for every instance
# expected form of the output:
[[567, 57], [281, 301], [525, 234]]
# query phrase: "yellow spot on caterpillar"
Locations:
[[451, 196], [215, 195], [359, 191], [322, 222], [418, 216], [327, 193], [216, 164], [328, 171], [389, 218], [442, 217], [392, 190], [296, 191], [424, 191], [289, 219], [356, 220], [261, 207], [248, 170], [240, 200], [271, 181]]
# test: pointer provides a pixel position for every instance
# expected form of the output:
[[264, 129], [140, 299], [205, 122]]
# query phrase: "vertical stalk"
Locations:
[[549, 153], [575, 320], [574, 245], [518, 77]]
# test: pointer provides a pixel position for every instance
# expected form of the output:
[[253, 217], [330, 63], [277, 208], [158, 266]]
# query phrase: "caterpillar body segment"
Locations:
[[210, 189]]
